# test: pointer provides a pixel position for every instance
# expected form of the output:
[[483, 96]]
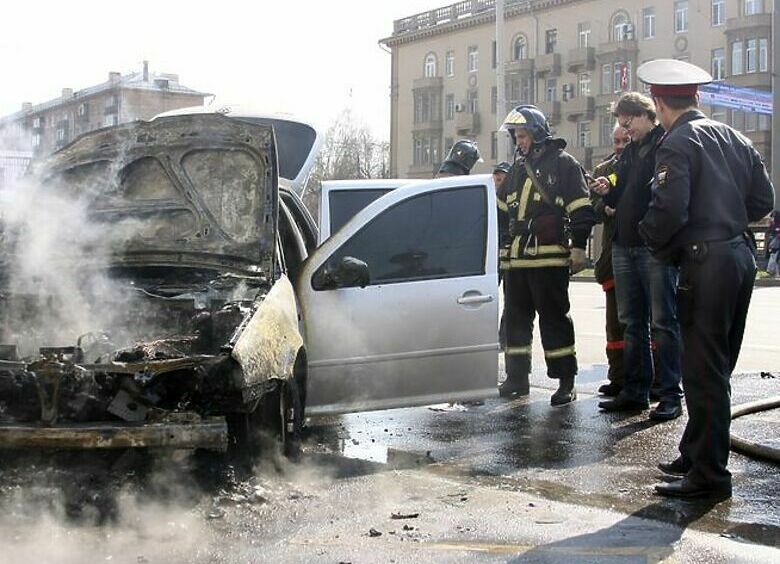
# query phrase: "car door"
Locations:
[[424, 328]]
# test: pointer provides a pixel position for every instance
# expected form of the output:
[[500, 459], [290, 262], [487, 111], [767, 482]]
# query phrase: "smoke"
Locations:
[[58, 286]]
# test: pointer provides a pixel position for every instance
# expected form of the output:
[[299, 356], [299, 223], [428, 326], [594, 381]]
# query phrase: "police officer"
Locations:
[[544, 193], [709, 184], [461, 159]]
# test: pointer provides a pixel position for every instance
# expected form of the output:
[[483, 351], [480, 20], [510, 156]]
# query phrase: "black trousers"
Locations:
[[716, 283], [544, 291]]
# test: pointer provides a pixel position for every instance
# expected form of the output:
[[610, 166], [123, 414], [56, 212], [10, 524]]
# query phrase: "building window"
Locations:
[[473, 58], [752, 7], [718, 114], [606, 125], [550, 41], [426, 151], [448, 143], [472, 102], [494, 56], [764, 122], [718, 12], [449, 107], [736, 58], [37, 122], [449, 63], [583, 35], [583, 84], [751, 121], [621, 28], [751, 53], [681, 16], [583, 134], [551, 90], [718, 64], [36, 140], [494, 145], [429, 68], [606, 79], [520, 48], [763, 54], [494, 100], [82, 111], [621, 81], [648, 23]]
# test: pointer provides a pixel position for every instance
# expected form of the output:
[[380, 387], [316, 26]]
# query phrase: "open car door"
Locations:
[[400, 305]]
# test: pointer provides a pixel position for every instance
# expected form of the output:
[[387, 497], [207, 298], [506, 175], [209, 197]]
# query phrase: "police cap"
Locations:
[[671, 77]]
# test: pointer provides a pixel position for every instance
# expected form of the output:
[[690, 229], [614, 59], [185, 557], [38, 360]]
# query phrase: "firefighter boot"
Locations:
[[515, 384], [565, 392]]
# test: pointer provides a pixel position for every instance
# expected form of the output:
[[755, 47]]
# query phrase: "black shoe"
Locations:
[[655, 393], [666, 411], [684, 488], [623, 404], [514, 386], [610, 390], [675, 468], [565, 392]]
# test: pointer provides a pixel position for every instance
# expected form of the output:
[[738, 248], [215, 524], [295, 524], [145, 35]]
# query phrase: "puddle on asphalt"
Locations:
[[372, 452]]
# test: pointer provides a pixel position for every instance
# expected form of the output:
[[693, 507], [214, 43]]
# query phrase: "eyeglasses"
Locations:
[[626, 124]]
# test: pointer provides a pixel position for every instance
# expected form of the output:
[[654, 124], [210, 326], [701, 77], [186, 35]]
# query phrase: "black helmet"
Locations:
[[461, 158], [503, 166], [530, 118]]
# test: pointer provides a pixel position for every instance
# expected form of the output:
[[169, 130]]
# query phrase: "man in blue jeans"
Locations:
[[645, 287]]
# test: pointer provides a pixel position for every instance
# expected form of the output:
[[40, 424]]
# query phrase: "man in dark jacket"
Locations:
[[545, 189], [603, 268], [645, 287], [709, 183]]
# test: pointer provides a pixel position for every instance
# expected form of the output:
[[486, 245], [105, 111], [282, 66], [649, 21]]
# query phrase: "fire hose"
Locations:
[[752, 448]]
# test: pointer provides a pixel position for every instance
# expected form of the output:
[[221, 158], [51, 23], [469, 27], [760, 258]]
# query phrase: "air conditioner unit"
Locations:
[[460, 107]]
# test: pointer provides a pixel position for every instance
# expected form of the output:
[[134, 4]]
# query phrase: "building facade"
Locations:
[[571, 58], [39, 130]]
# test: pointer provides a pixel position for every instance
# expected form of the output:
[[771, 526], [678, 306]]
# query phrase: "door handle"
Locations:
[[475, 299]]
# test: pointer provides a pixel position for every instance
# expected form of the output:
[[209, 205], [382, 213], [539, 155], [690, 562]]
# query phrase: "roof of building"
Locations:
[[131, 81], [459, 15]]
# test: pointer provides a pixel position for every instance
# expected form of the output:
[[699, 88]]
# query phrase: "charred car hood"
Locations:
[[196, 190]]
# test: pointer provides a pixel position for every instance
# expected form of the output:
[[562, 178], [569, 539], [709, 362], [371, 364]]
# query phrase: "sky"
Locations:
[[313, 59]]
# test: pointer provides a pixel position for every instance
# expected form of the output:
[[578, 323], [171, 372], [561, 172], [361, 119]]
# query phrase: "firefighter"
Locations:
[[709, 183], [544, 195], [461, 159], [603, 267], [500, 173]]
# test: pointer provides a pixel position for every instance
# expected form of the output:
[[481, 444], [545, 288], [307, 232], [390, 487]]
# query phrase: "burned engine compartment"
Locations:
[[172, 358]]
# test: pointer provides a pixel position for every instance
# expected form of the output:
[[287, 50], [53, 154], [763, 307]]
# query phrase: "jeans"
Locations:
[[646, 294]]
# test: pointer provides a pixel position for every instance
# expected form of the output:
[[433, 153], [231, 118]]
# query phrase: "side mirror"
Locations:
[[348, 273]]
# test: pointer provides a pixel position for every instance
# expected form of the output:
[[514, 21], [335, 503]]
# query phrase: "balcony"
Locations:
[[617, 50], [582, 59], [551, 110], [432, 124], [467, 123], [749, 23], [427, 83], [549, 64], [422, 170], [759, 80], [519, 66], [580, 108]]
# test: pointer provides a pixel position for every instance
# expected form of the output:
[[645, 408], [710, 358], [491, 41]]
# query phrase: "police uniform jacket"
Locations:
[[546, 242], [710, 182]]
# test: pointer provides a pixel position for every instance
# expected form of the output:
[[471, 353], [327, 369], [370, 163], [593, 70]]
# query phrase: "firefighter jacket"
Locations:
[[542, 228], [709, 183], [603, 267]]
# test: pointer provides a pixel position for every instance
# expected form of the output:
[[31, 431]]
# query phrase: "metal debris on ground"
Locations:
[[404, 515], [372, 532], [765, 375]]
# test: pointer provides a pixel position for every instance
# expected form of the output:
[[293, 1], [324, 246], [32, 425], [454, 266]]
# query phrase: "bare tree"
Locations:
[[349, 151]]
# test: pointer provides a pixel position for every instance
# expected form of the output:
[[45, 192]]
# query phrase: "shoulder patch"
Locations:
[[660, 175]]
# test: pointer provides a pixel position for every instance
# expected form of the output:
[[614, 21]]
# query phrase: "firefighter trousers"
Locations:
[[615, 343], [544, 291]]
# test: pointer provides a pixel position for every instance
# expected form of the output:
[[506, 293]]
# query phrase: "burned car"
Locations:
[[207, 311]]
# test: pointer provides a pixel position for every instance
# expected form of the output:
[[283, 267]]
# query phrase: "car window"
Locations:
[[441, 234], [345, 204]]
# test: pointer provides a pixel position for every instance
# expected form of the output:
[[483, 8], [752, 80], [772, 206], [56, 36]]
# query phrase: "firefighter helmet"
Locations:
[[530, 118], [461, 158]]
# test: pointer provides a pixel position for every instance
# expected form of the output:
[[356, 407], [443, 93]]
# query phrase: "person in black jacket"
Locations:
[[645, 287], [709, 183], [545, 190]]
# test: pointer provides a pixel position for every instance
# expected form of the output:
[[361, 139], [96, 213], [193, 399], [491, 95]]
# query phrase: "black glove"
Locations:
[[519, 227]]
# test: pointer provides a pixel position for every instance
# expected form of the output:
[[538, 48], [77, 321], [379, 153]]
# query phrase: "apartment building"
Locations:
[[41, 129], [572, 58]]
